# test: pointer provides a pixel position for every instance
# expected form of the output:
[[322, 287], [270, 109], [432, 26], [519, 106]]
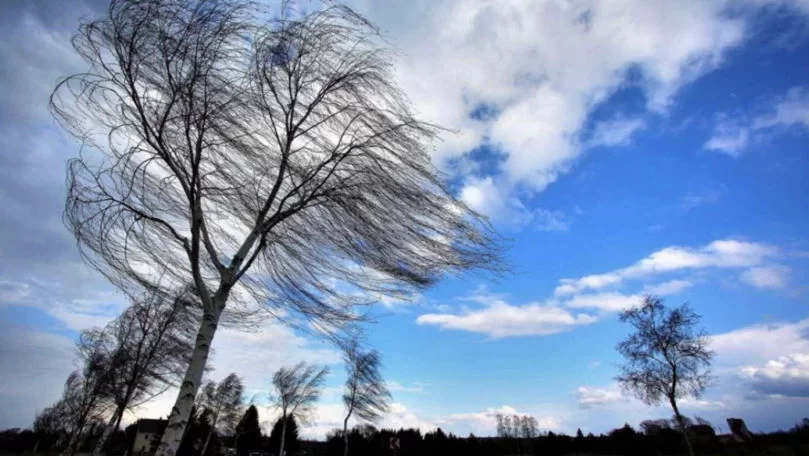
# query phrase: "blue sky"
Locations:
[[620, 147]]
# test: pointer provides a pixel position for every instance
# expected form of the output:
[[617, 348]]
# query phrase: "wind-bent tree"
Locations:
[[366, 396], [667, 357], [148, 347], [86, 390], [223, 401], [296, 390], [262, 159]]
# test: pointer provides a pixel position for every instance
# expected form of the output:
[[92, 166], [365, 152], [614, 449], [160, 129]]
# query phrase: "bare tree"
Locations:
[[366, 396], [223, 401], [148, 347], [296, 390], [269, 161], [85, 393], [667, 357]]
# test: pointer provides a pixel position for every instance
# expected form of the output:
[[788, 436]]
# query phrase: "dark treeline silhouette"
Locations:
[[656, 437]]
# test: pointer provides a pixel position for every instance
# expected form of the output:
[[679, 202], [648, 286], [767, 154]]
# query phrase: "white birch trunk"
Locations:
[[178, 419], [283, 436], [99, 449]]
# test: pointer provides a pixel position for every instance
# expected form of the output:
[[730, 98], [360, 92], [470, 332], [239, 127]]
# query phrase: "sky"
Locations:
[[620, 147]]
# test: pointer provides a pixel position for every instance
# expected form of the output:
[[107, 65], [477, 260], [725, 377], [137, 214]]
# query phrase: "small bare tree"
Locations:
[[296, 390], [223, 401], [262, 159], [86, 390], [667, 357], [148, 347], [366, 396]]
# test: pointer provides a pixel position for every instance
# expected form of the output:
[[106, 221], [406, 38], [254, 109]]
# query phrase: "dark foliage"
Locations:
[[248, 432], [291, 442]]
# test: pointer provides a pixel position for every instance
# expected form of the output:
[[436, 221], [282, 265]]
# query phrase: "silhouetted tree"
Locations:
[[86, 390], [223, 401], [286, 429], [296, 389], [262, 158], [365, 395], [147, 347], [667, 357], [248, 432]]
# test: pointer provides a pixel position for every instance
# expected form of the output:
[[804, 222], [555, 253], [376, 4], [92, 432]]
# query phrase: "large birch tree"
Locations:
[[265, 157]]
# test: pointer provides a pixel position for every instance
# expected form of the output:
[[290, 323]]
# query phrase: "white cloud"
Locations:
[[616, 132], [499, 319], [589, 396], [489, 198], [668, 288], [758, 344], [485, 422], [726, 253], [610, 301], [396, 387], [733, 136], [785, 376], [541, 68], [729, 138], [771, 276]]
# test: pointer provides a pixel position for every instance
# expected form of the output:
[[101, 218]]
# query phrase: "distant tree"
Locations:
[[296, 389], [286, 429], [53, 425], [579, 435], [366, 397], [86, 390], [248, 432], [667, 357], [223, 401], [260, 155], [148, 346], [653, 427], [528, 427]]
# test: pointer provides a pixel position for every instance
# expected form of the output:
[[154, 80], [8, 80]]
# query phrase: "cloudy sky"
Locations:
[[624, 147]]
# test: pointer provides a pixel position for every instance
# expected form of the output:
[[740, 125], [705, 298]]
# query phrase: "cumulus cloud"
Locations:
[[589, 396], [485, 196], [785, 376], [771, 276], [485, 422], [497, 319], [733, 136], [726, 253], [541, 68]]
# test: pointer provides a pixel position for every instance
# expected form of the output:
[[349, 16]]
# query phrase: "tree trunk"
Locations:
[[681, 424], [283, 435], [111, 426], [178, 419], [345, 437], [207, 441]]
